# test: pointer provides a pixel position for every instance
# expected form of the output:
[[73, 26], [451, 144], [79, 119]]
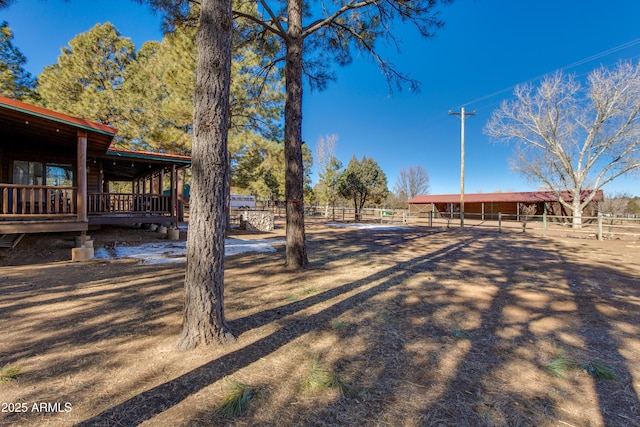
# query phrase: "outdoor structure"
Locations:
[[56, 174], [489, 205]]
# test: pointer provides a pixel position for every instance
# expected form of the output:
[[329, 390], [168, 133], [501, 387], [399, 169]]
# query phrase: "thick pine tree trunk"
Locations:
[[204, 322], [294, 184]]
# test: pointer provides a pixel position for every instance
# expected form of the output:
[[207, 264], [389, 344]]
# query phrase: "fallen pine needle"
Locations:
[[417, 385]]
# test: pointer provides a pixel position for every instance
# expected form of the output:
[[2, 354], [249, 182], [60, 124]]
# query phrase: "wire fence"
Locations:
[[600, 227]]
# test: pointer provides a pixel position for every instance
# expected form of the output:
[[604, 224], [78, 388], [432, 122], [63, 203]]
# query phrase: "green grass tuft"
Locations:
[[385, 316], [237, 399], [338, 325], [9, 373], [310, 291], [320, 378], [559, 364], [303, 293], [599, 370], [461, 334], [338, 383]]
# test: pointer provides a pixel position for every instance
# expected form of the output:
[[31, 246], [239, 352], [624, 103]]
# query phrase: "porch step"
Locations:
[[10, 240]]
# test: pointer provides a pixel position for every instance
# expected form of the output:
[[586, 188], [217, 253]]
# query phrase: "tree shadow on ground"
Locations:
[[171, 393], [451, 327]]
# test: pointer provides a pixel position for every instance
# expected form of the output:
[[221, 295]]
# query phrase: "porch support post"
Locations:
[[82, 176], [180, 175], [103, 184], [174, 201]]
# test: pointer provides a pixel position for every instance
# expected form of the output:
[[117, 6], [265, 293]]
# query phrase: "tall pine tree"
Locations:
[[88, 78], [15, 81]]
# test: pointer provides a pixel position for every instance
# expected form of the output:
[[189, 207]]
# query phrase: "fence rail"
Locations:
[[599, 227], [37, 201], [110, 203]]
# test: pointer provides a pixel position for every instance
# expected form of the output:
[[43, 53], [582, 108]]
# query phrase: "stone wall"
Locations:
[[257, 221]]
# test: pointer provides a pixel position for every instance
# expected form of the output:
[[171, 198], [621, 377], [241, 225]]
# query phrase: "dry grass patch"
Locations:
[[413, 327]]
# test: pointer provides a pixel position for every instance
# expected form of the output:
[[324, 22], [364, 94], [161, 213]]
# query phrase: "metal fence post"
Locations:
[[499, 222], [430, 219], [544, 223]]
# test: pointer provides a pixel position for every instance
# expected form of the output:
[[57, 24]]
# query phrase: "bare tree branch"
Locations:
[[571, 137]]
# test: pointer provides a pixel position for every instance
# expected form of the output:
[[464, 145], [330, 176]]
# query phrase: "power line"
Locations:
[[564, 68]]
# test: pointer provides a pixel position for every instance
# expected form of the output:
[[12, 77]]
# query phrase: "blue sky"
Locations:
[[485, 48]]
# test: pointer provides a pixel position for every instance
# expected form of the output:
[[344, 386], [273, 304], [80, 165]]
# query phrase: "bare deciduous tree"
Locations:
[[329, 168], [573, 137], [412, 182], [614, 206], [325, 150]]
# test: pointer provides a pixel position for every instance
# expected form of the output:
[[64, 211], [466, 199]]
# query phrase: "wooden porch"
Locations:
[[38, 208], [125, 208], [59, 173], [35, 209]]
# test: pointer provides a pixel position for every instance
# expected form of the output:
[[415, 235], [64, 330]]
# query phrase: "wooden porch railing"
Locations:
[[37, 201], [126, 203]]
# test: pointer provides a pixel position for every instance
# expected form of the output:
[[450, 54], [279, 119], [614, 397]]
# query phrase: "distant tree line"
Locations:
[[362, 183]]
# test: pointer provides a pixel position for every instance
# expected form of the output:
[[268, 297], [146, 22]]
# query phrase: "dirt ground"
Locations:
[[429, 326]]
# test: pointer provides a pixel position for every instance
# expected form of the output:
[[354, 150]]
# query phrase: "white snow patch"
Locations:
[[172, 252]]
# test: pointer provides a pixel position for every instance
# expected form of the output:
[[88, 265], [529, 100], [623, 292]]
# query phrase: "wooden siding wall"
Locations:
[[40, 153], [490, 208], [4, 165], [93, 178], [494, 208]]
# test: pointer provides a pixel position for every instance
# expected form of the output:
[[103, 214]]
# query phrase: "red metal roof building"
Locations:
[[488, 205]]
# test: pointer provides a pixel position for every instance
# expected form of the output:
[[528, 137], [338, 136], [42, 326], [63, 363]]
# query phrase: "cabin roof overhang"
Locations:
[[36, 125], [40, 128], [126, 165]]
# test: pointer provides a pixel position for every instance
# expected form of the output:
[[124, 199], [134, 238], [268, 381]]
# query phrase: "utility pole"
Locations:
[[462, 114]]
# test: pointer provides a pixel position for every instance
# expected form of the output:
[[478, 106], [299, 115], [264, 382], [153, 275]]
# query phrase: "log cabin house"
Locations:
[[56, 175]]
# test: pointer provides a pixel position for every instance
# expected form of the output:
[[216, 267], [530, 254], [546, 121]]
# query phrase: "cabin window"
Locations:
[[36, 173], [60, 175], [27, 173]]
